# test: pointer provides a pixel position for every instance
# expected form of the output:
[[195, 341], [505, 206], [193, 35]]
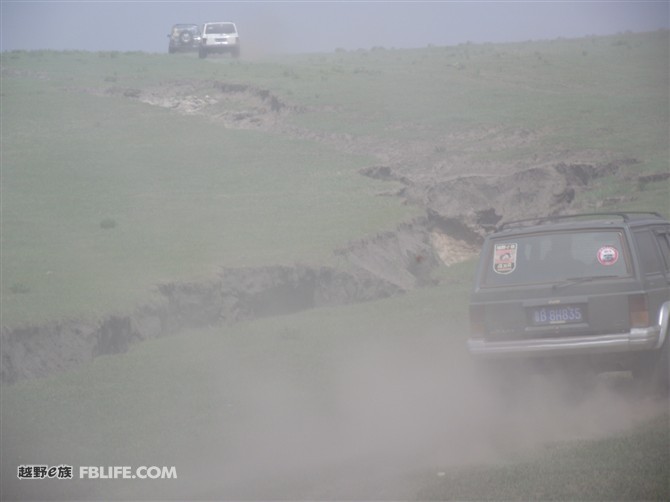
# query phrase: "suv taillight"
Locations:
[[477, 321], [639, 311]]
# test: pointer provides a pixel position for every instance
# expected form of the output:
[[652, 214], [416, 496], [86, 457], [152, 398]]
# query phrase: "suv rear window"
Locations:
[[556, 256], [220, 29]]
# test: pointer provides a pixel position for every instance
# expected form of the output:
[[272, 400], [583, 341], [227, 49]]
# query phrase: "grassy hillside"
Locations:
[[105, 195]]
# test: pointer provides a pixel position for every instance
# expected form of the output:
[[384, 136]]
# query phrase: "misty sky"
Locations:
[[310, 26]]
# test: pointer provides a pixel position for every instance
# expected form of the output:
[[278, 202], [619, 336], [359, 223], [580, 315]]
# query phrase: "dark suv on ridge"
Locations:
[[591, 288], [183, 38]]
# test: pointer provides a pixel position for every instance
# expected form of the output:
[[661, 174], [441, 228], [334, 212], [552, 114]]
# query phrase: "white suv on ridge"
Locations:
[[219, 37]]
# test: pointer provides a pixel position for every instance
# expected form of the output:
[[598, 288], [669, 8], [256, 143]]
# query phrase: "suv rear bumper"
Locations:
[[637, 339], [221, 46]]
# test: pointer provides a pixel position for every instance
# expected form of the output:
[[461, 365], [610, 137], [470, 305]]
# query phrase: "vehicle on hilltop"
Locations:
[[219, 37], [184, 37]]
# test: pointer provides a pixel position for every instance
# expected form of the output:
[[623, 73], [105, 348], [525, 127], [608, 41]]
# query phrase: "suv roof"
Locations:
[[583, 219]]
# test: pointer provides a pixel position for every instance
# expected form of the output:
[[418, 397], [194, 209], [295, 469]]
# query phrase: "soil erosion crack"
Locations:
[[460, 209]]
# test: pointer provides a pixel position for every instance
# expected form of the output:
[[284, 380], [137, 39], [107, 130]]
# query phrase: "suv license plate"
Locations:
[[563, 314]]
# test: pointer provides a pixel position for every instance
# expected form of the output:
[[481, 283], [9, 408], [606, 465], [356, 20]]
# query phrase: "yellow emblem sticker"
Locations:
[[504, 258]]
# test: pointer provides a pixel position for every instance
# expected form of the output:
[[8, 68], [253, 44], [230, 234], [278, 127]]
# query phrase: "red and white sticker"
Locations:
[[608, 255], [504, 258]]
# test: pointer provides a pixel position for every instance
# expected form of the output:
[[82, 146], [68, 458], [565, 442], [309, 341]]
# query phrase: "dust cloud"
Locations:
[[379, 415], [367, 416]]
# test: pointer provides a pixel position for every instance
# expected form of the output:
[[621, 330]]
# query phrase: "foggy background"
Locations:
[[306, 26]]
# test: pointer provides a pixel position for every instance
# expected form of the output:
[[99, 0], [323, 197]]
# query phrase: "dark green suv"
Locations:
[[592, 288], [184, 37]]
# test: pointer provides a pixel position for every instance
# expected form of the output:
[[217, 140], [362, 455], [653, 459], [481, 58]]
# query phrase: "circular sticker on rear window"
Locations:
[[608, 255]]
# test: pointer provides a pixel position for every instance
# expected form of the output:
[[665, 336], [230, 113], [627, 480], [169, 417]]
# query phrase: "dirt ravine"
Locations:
[[233, 296], [460, 208], [380, 266], [442, 175]]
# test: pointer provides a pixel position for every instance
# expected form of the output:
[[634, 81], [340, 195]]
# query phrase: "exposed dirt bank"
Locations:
[[470, 206], [235, 295], [380, 266], [232, 105]]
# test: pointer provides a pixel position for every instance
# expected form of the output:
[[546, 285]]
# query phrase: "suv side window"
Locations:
[[663, 236], [646, 247]]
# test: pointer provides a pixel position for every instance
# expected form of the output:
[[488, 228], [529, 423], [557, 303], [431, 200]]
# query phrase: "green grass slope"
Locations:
[[104, 196]]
